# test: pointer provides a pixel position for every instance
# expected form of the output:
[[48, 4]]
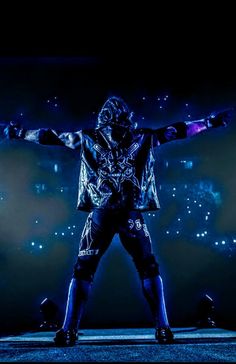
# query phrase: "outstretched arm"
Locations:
[[187, 129], [44, 136]]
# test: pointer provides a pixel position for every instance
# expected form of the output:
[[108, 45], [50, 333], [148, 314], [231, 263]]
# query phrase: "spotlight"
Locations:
[[205, 312], [49, 311]]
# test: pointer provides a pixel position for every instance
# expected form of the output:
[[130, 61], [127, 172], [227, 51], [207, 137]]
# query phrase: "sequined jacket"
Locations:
[[120, 176]]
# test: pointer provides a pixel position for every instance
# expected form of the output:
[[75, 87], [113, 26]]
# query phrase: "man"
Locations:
[[116, 185]]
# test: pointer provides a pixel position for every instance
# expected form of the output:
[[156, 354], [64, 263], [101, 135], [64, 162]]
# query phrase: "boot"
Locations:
[[65, 338], [164, 335]]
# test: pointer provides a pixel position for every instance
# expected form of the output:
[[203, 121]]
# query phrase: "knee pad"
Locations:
[[147, 267], [84, 269]]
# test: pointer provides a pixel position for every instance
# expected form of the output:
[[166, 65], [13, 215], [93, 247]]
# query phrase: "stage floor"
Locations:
[[123, 345]]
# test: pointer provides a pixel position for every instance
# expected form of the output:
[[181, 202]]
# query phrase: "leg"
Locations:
[[95, 239], [136, 240], [77, 296], [154, 293]]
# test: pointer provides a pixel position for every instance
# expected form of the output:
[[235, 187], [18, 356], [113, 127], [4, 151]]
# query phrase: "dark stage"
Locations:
[[123, 345]]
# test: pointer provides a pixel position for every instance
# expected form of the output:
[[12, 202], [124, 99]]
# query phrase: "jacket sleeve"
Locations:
[[71, 140], [187, 129], [180, 130], [170, 132]]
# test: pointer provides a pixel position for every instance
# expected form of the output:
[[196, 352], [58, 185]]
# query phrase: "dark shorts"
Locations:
[[99, 230]]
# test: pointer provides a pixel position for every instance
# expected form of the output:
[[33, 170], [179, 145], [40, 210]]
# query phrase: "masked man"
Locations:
[[116, 185]]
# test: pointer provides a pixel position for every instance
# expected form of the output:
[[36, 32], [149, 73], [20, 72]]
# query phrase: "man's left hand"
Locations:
[[221, 118]]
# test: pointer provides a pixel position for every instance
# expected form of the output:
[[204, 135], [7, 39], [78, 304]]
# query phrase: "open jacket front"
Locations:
[[120, 176]]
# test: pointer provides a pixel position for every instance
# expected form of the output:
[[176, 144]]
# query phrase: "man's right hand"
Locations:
[[14, 131]]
